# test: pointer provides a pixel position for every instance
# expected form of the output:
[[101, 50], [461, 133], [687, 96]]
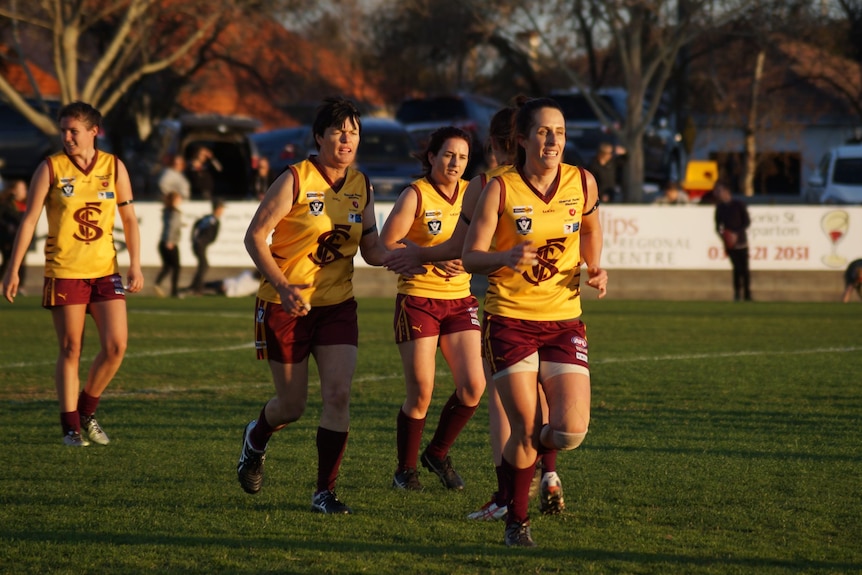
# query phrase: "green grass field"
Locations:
[[725, 438]]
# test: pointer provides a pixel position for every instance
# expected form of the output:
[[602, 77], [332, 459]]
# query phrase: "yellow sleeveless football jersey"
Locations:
[[549, 290], [81, 207], [435, 220], [315, 243]]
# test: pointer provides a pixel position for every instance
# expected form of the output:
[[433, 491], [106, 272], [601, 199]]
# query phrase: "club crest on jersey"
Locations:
[[525, 225], [68, 186], [434, 227]]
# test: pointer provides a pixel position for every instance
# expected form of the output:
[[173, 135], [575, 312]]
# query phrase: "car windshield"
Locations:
[[384, 147], [430, 110], [848, 171]]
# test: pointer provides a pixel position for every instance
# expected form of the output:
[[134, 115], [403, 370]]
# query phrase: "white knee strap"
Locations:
[[561, 440]]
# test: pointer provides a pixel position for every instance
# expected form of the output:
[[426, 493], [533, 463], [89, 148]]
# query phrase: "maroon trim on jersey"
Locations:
[[335, 188], [367, 190], [85, 171], [418, 200], [584, 188], [554, 187], [451, 201], [501, 208], [116, 169], [295, 183], [50, 165]]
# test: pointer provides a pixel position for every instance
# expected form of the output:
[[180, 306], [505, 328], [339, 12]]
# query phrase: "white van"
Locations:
[[838, 179]]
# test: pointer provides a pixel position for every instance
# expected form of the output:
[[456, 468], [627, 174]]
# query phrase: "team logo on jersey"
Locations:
[[329, 245], [572, 211], [260, 315], [571, 228], [433, 214], [434, 227], [354, 218], [547, 257], [525, 225], [68, 186], [355, 204], [315, 207], [87, 219], [106, 195]]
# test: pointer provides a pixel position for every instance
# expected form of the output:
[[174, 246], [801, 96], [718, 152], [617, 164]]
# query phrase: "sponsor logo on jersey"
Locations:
[[433, 214], [571, 228], [354, 218], [259, 316], [106, 195], [581, 357], [522, 210], [434, 227]]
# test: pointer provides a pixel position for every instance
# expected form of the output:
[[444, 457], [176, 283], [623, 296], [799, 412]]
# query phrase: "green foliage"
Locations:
[[724, 439]]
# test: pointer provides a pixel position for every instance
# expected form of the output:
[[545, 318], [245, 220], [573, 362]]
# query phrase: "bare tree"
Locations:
[[100, 49]]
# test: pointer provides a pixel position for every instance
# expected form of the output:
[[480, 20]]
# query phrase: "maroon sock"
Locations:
[[503, 494], [453, 418], [261, 432], [87, 404], [408, 438], [330, 450], [519, 483], [70, 421], [549, 461]]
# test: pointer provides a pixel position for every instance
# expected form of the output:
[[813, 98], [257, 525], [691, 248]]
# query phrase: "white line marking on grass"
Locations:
[[158, 353], [683, 357]]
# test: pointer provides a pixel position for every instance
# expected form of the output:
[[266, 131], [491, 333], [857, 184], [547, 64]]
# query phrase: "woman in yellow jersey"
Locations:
[[542, 221], [319, 212], [502, 156], [434, 308], [82, 189]]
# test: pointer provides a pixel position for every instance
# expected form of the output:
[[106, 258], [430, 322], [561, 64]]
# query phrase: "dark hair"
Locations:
[[501, 133], [83, 112], [524, 121], [435, 142], [217, 203], [333, 113]]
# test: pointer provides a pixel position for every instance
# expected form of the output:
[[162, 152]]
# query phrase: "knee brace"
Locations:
[[560, 439]]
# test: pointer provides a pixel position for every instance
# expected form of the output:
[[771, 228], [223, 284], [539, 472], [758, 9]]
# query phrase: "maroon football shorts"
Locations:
[[57, 292], [417, 317], [506, 341], [284, 338]]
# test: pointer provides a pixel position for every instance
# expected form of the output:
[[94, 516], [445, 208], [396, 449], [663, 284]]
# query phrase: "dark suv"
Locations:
[[227, 136], [22, 145], [470, 112], [663, 152]]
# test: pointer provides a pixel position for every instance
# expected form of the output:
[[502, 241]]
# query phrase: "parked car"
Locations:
[[22, 145], [838, 179], [283, 146], [228, 137], [385, 155], [663, 152], [470, 112]]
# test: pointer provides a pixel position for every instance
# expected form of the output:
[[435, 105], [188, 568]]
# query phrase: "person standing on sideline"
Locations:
[[434, 309], [13, 204], [502, 147], [169, 249], [605, 167], [261, 179], [201, 173], [852, 280], [542, 221], [731, 223], [173, 179], [204, 234], [319, 211], [82, 189]]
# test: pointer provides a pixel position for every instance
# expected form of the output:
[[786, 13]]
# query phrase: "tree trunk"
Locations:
[[633, 174], [751, 127]]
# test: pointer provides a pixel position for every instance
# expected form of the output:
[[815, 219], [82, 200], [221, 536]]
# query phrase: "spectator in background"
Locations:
[[605, 168], [169, 250], [13, 203], [201, 173], [852, 280], [262, 179], [204, 234], [731, 223], [173, 179], [672, 195]]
